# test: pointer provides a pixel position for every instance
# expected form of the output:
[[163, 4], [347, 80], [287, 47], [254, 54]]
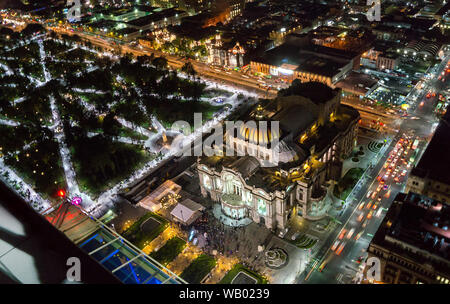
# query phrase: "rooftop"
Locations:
[[155, 16], [317, 92], [420, 222], [359, 83], [313, 58]]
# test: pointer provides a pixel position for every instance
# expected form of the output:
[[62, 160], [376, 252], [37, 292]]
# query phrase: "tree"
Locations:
[[32, 28], [188, 68], [160, 63], [111, 127]]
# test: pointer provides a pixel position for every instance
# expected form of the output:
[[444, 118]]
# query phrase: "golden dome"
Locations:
[[258, 135]]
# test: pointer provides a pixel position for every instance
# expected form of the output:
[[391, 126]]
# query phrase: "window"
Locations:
[[262, 208]]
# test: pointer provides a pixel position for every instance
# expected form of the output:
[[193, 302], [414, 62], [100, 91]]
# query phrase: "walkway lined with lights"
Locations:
[[13, 180], [72, 184]]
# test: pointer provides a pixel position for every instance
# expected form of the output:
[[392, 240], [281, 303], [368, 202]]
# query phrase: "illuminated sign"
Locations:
[[76, 201], [273, 71], [284, 71], [191, 235]]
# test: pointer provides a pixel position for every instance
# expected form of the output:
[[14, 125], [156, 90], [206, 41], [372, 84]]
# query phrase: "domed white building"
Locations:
[[280, 169]]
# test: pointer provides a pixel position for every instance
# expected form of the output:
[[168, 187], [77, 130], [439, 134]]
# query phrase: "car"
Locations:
[[341, 236], [365, 223], [283, 232], [369, 215], [379, 198], [360, 217], [340, 248], [369, 204], [369, 193], [388, 194], [375, 206], [385, 187], [374, 194], [361, 206], [333, 248], [359, 235], [359, 260], [350, 233], [378, 212]]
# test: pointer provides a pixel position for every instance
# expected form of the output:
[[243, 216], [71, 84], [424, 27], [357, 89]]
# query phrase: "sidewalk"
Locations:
[[184, 259], [224, 264], [161, 239]]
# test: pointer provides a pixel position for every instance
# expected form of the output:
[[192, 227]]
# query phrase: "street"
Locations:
[[344, 251]]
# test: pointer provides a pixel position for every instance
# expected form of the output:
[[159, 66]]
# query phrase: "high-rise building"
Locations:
[[430, 176], [413, 241]]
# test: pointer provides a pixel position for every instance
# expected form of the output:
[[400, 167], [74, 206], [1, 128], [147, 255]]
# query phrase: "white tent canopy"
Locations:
[[187, 211], [152, 201]]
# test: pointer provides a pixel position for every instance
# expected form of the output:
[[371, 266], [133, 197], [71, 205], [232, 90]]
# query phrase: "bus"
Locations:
[[413, 157], [415, 144]]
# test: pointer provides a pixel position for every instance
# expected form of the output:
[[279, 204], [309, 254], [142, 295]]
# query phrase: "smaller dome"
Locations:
[[286, 153]]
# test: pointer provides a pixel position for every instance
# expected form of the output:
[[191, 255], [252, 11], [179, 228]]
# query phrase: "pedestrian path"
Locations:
[[160, 240], [224, 264], [184, 259]]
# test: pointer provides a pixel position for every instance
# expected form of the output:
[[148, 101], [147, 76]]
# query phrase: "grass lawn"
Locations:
[[169, 251], [304, 242], [238, 268], [135, 235], [127, 132], [347, 182], [198, 269]]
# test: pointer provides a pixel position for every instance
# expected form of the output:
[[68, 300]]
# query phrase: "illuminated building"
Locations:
[[227, 55], [387, 61], [307, 63], [412, 242], [423, 48], [283, 170]]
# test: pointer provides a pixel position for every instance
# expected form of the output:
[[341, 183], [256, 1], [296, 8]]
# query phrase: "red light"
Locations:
[[61, 193]]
